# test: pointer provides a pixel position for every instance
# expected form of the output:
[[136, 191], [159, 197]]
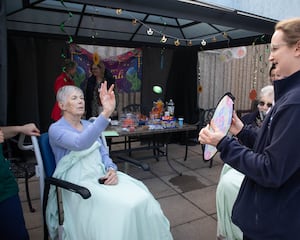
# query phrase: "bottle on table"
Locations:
[[171, 107]]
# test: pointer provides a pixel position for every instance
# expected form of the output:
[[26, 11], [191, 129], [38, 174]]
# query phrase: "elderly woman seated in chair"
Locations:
[[120, 207]]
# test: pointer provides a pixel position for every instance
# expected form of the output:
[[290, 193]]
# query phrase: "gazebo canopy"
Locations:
[[140, 22]]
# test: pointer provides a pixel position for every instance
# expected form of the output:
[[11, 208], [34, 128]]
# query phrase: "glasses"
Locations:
[[262, 103], [275, 47]]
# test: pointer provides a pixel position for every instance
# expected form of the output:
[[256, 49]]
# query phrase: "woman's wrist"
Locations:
[[111, 169], [105, 114]]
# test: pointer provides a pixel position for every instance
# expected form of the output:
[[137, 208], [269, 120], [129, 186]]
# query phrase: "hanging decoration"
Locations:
[[260, 65], [150, 32], [233, 53], [164, 37], [62, 24], [226, 55], [200, 89], [95, 33], [176, 42], [239, 52], [253, 93], [96, 58], [119, 11], [63, 54], [134, 22]]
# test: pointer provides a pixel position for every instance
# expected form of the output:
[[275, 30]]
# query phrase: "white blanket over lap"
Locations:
[[120, 212]]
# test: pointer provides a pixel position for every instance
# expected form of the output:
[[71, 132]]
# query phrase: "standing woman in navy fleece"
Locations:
[[268, 204]]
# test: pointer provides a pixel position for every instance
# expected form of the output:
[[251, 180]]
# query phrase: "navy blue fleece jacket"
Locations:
[[268, 204]]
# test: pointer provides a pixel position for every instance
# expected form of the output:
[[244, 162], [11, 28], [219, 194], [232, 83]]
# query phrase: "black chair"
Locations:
[[45, 167], [21, 165], [205, 116], [132, 108], [135, 108]]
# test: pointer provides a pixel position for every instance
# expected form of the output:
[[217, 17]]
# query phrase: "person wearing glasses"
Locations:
[[267, 205], [265, 102]]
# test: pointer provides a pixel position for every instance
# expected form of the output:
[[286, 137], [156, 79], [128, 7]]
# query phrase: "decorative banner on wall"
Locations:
[[233, 53], [126, 67]]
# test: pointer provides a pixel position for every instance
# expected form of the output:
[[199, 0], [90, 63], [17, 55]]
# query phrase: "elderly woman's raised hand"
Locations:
[[108, 99]]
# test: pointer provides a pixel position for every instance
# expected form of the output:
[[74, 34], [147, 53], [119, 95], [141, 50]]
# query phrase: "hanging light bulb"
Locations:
[[177, 42], [214, 39], [150, 32], [94, 35], [163, 39], [190, 43], [119, 11], [203, 42], [225, 35], [134, 21]]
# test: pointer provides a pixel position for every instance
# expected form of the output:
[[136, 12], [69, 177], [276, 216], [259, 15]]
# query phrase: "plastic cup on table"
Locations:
[[180, 122]]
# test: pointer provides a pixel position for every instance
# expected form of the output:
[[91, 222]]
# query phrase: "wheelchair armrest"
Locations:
[[84, 192], [135, 162]]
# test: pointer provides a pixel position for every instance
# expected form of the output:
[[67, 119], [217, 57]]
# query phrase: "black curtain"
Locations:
[[182, 84], [156, 67], [33, 65], [3, 64]]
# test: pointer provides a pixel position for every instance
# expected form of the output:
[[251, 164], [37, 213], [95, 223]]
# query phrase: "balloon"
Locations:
[[239, 52], [157, 89]]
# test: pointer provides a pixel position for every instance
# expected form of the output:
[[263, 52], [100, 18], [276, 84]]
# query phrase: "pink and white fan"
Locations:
[[222, 119]]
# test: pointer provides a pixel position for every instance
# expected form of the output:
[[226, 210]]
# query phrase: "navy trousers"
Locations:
[[12, 224]]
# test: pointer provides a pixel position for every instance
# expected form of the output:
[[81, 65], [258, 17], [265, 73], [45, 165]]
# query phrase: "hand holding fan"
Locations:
[[222, 119]]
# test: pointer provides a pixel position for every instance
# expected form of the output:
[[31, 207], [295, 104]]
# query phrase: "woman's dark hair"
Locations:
[[100, 65], [271, 69]]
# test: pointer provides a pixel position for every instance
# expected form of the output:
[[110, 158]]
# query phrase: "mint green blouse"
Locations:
[[8, 183]]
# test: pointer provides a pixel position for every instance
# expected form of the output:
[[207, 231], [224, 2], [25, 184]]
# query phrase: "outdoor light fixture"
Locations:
[[150, 32], [177, 42], [190, 43], [164, 39], [203, 42], [134, 21], [225, 35], [119, 11]]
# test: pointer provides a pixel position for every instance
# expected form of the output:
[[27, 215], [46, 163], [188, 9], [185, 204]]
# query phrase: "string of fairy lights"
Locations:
[[164, 37]]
